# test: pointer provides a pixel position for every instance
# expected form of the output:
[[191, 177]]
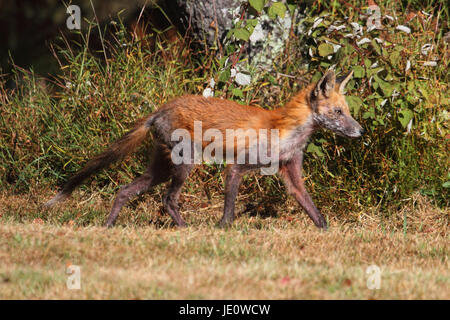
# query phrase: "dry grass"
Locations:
[[273, 250], [281, 256]]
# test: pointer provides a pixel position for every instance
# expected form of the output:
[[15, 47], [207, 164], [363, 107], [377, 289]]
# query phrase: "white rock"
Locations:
[[356, 28], [430, 63], [403, 28], [208, 92], [258, 34], [378, 40], [317, 22], [408, 65], [336, 47], [362, 41], [425, 48], [332, 28], [287, 23], [243, 79], [371, 27], [408, 127]]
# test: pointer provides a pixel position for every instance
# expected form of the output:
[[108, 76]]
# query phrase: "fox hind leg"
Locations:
[[179, 176], [159, 171]]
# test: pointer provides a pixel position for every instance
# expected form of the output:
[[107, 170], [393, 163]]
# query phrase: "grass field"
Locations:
[[281, 256]]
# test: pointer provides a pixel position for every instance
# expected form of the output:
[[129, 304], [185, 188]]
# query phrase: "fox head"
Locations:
[[330, 110]]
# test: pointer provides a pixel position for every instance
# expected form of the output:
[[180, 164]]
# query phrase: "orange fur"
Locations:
[[225, 114]]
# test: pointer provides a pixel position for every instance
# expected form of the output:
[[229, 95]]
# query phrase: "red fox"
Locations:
[[320, 104]]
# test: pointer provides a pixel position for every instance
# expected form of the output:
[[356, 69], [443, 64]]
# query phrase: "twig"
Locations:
[[216, 27], [139, 19], [101, 37]]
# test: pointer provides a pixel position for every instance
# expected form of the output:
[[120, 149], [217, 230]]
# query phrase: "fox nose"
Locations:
[[362, 131]]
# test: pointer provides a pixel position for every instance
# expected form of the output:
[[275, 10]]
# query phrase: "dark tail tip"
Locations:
[[59, 197]]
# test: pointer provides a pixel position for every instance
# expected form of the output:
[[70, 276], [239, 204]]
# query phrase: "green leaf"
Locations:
[[229, 33], [258, 5], [316, 77], [277, 9], [250, 25], [380, 120], [354, 104], [241, 34], [272, 80], [251, 22], [312, 148], [405, 115], [358, 72], [325, 49], [350, 85], [385, 86], [394, 58], [222, 61], [373, 71], [376, 47], [238, 93], [224, 75], [370, 114], [446, 184]]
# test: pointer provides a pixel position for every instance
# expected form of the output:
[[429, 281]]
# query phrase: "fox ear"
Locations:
[[342, 82], [325, 85]]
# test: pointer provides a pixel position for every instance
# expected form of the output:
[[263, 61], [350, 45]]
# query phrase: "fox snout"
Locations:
[[342, 124], [353, 129]]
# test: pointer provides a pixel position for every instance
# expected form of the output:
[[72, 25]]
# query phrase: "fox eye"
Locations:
[[338, 111]]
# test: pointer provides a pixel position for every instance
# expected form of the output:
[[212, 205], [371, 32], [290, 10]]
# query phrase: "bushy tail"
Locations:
[[119, 149]]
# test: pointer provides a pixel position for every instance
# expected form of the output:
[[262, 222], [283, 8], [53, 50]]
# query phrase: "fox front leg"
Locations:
[[291, 173]]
